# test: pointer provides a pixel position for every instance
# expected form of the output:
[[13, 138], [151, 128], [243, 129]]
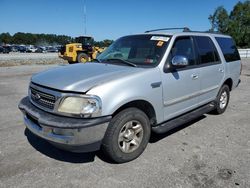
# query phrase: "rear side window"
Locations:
[[228, 49], [207, 50]]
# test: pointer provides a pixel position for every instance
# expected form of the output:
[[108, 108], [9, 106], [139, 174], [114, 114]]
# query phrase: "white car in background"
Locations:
[[31, 48]]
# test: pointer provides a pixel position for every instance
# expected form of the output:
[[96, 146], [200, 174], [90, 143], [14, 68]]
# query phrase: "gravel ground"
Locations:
[[14, 59], [212, 151]]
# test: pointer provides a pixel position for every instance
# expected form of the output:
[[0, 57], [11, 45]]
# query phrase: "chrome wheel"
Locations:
[[127, 135], [223, 100], [130, 136]]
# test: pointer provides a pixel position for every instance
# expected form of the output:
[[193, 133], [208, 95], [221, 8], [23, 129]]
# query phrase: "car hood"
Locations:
[[81, 77]]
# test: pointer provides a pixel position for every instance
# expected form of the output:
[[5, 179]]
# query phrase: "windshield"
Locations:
[[84, 40], [141, 50]]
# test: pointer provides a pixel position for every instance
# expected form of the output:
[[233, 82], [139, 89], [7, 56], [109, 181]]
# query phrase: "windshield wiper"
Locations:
[[126, 62]]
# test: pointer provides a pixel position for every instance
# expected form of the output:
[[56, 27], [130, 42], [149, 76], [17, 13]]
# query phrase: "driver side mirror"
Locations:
[[179, 61]]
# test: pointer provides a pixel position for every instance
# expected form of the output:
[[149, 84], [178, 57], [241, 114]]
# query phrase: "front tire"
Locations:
[[82, 58], [127, 135], [222, 100]]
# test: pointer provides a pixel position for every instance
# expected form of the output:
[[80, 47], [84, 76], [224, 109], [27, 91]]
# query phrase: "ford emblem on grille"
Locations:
[[45, 100], [37, 96]]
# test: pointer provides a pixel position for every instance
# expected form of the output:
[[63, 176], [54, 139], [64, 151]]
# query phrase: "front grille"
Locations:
[[43, 99]]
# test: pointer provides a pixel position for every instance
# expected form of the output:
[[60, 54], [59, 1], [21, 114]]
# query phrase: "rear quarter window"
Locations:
[[228, 49]]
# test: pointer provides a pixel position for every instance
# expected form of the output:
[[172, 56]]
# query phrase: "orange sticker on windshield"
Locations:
[[160, 43]]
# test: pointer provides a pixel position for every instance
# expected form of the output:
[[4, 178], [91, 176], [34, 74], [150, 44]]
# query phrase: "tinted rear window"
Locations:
[[207, 50], [228, 49]]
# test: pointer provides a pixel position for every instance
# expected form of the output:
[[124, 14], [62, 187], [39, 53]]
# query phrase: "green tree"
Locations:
[[104, 43], [5, 38], [240, 23], [236, 23], [43, 39], [107, 42], [19, 38], [219, 20]]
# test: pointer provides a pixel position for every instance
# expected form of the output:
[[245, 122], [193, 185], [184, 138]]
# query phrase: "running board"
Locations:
[[182, 119]]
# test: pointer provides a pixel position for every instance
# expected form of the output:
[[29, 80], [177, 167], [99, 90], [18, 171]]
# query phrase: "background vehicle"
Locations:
[[14, 48], [31, 49], [22, 49], [4, 50], [81, 51], [40, 49], [51, 49]]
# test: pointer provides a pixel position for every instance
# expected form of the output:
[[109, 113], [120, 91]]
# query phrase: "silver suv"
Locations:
[[153, 81]]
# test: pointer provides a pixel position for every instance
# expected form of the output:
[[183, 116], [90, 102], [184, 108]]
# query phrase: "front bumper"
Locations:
[[72, 134], [65, 57]]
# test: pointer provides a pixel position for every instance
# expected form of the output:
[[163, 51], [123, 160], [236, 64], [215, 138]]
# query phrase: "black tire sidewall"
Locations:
[[80, 55], [111, 138], [219, 110]]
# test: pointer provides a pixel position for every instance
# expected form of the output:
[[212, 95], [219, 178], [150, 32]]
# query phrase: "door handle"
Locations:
[[194, 76], [221, 70]]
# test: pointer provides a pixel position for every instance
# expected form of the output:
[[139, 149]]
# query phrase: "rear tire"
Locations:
[[82, 58], [127, 135], [222, 100]]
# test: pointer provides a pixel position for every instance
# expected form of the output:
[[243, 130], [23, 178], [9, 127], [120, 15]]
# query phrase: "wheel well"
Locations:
[[229, 82], [144, 106]]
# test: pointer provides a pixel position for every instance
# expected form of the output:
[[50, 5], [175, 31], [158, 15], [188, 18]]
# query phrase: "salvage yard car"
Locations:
[[4, 50], [154, 81]]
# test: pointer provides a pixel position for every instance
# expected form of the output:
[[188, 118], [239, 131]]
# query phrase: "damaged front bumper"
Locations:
[[72, 134]]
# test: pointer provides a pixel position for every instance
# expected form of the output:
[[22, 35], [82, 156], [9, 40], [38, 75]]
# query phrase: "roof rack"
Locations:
[[212, 32], [184, 29]]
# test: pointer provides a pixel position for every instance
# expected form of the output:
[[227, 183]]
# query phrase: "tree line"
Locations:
[[235, 23], [34, 39], [43, 39]]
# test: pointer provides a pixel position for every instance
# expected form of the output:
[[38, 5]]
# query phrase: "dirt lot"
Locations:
[[212, 151], [13, 59]]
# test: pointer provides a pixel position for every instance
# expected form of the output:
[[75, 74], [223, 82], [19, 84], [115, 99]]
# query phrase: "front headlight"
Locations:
[[80, 105]]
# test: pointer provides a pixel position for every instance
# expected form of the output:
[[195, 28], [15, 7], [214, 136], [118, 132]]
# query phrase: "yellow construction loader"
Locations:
[[81, 51]]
